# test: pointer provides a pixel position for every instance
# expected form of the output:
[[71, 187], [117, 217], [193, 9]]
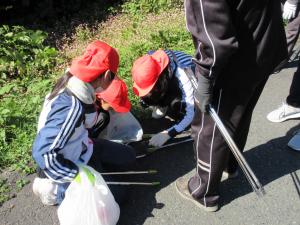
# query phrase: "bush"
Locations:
[[23, 54], [138, 7]]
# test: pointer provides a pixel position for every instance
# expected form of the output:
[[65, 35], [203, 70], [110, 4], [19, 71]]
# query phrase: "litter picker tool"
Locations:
[[254, 182], [150, 150], [130, 172], [156, 183]]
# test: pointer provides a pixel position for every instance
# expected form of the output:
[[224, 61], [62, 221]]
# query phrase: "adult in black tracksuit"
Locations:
[[238, 44]]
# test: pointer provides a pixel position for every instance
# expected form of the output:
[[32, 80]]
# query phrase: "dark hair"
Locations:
[[159, 90], [60, 84]]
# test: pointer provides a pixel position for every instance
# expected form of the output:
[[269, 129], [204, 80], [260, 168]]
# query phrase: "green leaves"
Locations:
[[22, 53], [142, 7]]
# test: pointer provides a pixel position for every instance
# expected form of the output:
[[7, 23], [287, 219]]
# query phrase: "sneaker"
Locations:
[[46, 190], [182, 188], [226, 175], [283, 113], [159, 112]]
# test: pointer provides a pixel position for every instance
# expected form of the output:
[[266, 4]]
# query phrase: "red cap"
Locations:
[[116, 96], [97, 59], [146, 71]]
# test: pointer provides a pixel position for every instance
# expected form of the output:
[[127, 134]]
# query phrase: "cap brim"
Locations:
[[122, 108], [143, 91]]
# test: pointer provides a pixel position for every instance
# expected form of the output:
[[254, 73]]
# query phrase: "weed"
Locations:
[[21, 183], [4, 191]]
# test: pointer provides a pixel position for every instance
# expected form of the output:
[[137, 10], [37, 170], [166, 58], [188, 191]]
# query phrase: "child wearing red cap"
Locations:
[[63, 143], [160, 80]]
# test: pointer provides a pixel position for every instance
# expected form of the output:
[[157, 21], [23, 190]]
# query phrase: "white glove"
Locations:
[[289, 11], [159, 139]]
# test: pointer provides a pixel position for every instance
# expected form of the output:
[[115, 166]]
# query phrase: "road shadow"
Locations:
[[269, 162], [171, 163]]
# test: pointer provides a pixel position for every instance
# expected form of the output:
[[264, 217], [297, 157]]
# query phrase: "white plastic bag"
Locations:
[[122, 128], [88, 201]]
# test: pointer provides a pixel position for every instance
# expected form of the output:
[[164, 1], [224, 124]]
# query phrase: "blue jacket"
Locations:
[[62, 140]]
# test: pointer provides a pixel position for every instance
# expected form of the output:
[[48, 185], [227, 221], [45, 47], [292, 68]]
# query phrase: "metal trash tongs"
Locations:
[[254, 182]]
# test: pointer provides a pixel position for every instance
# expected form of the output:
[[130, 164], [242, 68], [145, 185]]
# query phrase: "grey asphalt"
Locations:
[[274, 164]]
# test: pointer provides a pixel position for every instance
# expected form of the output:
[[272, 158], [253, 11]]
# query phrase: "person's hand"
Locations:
[[88, 173], [289, 10], [159, 139], [203, 95]]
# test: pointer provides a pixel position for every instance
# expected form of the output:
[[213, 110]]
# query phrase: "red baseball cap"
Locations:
[[146, 71], [97, 59], [116, 96]]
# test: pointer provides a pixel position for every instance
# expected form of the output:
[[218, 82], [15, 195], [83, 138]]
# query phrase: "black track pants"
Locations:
[[234, 105]]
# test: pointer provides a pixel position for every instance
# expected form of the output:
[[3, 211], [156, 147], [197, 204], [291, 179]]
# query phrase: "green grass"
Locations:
[[4, 191], [133, 37]]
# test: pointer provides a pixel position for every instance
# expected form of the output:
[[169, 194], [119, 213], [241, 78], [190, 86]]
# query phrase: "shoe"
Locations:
[[226, 175], [182, 188], [283, 113], [159, 112], [294, 143], [46, 190]]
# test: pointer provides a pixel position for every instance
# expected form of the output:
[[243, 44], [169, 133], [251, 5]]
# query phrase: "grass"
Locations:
[[134, 37]]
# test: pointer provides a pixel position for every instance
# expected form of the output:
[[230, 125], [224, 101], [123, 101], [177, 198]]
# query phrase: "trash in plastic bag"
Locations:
[[88, 201], [122, 128]]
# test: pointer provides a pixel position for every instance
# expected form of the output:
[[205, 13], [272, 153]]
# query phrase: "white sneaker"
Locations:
[[159, 112], [46, 190], [283, 113]]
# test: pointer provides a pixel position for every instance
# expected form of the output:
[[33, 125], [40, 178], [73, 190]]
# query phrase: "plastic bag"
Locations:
[[122, 128], [88, 201]]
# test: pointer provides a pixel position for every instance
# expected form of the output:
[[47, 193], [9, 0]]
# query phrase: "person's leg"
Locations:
[[291, 108], [292, 32], [111, 156], [212, 150], [240, 137], [293, 98]]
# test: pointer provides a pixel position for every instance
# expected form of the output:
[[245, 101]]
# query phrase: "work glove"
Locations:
[[289, 10], [203, 95], [159, 139]]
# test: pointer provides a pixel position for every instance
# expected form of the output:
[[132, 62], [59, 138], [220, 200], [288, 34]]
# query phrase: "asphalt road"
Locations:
[[266, 152]]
